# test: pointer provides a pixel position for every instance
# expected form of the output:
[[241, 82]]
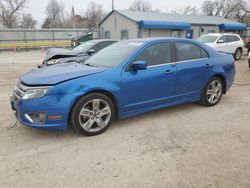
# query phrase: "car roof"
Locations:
[[220, 34], [169, 39], [103, 40]]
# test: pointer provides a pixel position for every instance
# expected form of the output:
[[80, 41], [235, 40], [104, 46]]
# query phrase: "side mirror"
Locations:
[[220, 41], [91, 51], [139, 65]]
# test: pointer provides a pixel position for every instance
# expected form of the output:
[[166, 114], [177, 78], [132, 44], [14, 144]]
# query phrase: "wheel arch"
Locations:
[[101, 91], [240, 47], [223, 80]]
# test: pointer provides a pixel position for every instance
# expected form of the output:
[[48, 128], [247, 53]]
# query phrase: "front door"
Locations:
[[222, 46], [154, 85]]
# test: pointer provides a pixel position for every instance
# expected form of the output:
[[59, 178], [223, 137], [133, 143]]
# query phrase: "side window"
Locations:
[[101, 45], [188, 51], [236, 38], [224, 38], [107, 35], [156, 54], [230, 38], [124, 34], [176, 33], [204, 54]]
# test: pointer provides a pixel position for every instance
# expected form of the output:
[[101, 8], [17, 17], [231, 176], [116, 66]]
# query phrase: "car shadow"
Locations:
[[117, 124]]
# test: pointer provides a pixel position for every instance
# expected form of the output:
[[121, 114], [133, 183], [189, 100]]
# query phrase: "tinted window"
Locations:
[[84, 47], [188, 51], [102, 45], [231, 38], [204, 54], [236, 38], [224, 38], [156, 54]]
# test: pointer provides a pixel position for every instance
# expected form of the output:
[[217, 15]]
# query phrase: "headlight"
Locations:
[[33, 93]]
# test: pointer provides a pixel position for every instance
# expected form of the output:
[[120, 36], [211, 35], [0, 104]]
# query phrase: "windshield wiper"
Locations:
[[88, 64]]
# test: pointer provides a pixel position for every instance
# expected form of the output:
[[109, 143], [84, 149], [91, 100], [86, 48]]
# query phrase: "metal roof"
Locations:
[[153, 16], [149, 24]]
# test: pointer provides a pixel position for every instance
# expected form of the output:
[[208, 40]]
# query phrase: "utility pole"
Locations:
[[113, 6]]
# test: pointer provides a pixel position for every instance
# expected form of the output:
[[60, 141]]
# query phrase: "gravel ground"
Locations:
[[183, 146]]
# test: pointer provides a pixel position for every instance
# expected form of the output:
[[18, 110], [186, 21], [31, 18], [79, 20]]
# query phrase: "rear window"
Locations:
[[207, 38], [232, 38], [188, 51]]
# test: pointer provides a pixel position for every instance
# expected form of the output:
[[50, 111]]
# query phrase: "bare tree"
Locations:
[[212, 8], [141, 6], [94, 14], [74, 20], [28, 22], [10, 10], [55, 14], [238, 10], [188, 10], [245, 6]]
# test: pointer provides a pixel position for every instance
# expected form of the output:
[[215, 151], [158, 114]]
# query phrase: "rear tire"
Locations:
[[212, 92], [238, 54], [92, 114]]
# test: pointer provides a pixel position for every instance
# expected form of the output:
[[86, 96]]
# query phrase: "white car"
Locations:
[[224, 42], [249, 59]]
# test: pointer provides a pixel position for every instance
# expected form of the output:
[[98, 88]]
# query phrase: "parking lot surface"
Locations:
[[183, 146]]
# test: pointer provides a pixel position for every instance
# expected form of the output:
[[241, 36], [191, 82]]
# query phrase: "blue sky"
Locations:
[[37, 7]]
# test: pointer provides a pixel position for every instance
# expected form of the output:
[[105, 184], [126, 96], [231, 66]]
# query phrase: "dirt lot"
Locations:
[[184, 146]]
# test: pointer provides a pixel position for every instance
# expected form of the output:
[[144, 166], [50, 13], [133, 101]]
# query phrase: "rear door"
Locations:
[[193, 69], [232, 44]]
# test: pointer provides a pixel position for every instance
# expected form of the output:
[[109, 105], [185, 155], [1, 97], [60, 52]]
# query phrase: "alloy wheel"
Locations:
[[238, 54], [95, 115], [214, 92]]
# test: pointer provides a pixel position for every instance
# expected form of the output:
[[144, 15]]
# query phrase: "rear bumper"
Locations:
[[22, 107]]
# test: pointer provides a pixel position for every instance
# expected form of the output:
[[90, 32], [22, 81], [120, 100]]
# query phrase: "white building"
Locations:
[[125, 24]]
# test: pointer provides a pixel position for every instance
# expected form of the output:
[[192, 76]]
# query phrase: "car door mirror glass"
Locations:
[[91, 51], [139, 65]]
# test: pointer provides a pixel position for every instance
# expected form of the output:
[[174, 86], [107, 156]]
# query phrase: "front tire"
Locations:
[[92, 114], [212, 92], [238, 54]]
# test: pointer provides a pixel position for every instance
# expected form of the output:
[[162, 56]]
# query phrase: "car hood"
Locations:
[[55, 74], [55, 53]]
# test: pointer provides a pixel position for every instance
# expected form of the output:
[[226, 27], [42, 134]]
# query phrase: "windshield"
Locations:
[[207, 39], [113, 55], [83, 48]]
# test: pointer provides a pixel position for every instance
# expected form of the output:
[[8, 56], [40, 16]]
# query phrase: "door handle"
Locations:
[[208, 65], [168, 72]]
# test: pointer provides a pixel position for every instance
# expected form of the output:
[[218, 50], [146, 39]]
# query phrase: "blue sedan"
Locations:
[[125, 79]]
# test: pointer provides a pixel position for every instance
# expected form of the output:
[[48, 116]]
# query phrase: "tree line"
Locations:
[[12, 14]]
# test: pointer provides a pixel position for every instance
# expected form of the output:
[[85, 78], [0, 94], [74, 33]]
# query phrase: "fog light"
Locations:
[[36, 117]]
